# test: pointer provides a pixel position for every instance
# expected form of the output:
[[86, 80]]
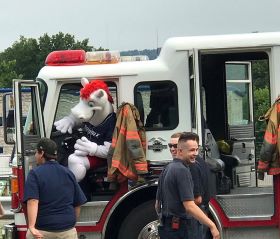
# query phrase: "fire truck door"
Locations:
[[240, 120], [29, 124], [195, 92]]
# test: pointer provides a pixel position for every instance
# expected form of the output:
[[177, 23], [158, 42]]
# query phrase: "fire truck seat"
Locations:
[[231, 162]]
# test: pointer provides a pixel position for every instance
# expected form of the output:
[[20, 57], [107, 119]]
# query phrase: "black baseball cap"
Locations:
[[48, 146]]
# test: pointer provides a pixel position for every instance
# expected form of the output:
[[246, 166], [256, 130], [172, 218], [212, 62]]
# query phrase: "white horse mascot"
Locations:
[[95, 112]]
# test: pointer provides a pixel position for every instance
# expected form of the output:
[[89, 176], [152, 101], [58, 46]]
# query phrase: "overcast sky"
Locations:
[[134, 24]]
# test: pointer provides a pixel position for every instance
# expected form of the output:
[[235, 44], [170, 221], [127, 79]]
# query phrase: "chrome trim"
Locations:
[[160, 163], [121, 199], [95, 203], [18, 209], [249, 218], [22, 229], [88, 223], [217, 220], [242, 195]]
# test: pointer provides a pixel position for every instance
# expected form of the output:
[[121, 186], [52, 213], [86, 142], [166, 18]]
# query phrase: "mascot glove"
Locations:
[[85, 147], [66, 124]]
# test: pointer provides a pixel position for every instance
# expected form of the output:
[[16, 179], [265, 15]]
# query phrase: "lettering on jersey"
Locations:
[[91, 132]]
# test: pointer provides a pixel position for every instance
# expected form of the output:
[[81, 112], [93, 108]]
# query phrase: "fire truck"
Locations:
[[202, 84]]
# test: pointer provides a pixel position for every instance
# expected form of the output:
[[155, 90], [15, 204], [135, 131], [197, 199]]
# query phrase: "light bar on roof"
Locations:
[[79, 57], [102, 57], [135, 58]]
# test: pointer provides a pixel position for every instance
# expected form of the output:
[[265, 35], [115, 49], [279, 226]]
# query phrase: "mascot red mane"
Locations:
[[95, 112]]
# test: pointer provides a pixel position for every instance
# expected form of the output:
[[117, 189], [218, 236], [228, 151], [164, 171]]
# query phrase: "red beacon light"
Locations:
[[66, 57]]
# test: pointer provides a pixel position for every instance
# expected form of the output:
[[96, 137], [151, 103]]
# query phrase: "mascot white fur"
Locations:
[[95, 112]]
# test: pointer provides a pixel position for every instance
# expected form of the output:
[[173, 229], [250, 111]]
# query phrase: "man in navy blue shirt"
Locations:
[[52, 195], [199, 171], [175, 199]]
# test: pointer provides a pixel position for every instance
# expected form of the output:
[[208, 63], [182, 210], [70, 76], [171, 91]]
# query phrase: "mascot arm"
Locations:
[[102, 150], [66, 124], [85, 147]]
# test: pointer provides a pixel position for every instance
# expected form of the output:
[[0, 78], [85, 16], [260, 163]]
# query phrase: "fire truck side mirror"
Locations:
[[8, 121]]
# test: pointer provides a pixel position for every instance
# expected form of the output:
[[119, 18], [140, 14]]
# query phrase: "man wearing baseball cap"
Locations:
[[52, 195]]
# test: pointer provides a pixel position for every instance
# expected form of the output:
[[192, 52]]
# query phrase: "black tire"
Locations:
[[137, 219]]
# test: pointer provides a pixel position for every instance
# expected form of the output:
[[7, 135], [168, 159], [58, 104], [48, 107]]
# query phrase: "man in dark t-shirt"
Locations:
[[175, 200], [199, 171], [52, 195], [179, 185]]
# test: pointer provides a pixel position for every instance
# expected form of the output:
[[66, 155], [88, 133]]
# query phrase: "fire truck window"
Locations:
[[157, 104], [238, 93], [70, 96], [29, 114]]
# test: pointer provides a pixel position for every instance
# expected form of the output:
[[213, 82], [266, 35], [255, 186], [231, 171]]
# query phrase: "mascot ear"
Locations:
[[84, 81]]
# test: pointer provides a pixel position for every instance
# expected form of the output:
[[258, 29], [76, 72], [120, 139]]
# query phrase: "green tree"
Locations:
[[261, 101], [25, 54], [261, 105], [29, 54], [59, 41], [8, 73], [260, 73]]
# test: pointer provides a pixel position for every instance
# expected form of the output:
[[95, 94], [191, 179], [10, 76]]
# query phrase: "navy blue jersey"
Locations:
[[58, 193], [103, 132]]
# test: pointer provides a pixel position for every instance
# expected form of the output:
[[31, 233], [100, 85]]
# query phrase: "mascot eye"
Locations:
[[91, 104]]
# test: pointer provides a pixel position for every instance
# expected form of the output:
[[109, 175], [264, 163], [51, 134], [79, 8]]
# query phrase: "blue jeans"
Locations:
[[183, 232]]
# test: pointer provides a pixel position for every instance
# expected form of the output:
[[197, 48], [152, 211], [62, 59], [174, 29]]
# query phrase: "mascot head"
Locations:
[[96, 85], [95, 102]]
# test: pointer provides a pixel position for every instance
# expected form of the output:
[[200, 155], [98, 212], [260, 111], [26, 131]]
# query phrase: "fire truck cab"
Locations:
[[202, 84]]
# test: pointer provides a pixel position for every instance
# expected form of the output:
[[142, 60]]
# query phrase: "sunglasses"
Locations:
[[172, 145]]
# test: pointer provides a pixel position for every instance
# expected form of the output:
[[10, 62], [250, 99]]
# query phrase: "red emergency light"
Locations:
[[66, 57]]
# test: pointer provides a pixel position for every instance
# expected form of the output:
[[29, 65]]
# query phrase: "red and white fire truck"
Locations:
[[202, 84]]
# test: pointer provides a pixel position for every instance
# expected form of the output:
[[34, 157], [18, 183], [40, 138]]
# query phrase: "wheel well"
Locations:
[[130, 202]]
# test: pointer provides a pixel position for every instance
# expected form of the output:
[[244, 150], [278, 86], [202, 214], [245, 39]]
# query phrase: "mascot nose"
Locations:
[[77, 114]]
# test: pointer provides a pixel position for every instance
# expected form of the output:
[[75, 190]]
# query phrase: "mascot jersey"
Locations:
[[103, 132], [100, 134]]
